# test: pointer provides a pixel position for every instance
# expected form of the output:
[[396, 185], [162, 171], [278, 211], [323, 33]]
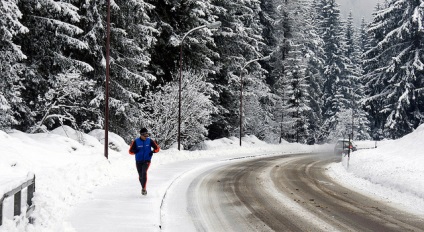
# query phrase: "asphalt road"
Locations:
[[287, 193]]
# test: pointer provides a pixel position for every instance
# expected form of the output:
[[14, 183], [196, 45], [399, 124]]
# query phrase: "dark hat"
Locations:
[[143, 130]]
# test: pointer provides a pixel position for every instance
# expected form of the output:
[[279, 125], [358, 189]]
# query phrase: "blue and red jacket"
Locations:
[[142, 149]]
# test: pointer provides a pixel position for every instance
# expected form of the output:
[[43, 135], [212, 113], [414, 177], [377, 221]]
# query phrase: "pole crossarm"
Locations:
[[254, 60], [210, 26], [213, 25], [241, 90], [190, 31]]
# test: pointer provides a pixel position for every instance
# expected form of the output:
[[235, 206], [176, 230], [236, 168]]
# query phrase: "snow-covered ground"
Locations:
[[393, 172], [74, 180]]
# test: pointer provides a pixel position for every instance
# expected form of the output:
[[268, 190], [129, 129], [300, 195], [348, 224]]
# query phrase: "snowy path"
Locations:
[[118, 207], [121, 207]]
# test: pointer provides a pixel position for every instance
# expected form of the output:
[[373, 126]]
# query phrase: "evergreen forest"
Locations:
[[308, 74]]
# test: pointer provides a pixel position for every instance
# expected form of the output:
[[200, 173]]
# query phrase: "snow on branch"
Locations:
[[59, 25]]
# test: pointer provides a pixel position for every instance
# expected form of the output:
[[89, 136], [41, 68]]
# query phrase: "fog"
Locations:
[[360, 9]]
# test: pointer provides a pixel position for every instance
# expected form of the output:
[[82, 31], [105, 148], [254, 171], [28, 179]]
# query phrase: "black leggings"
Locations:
[[142, 167]]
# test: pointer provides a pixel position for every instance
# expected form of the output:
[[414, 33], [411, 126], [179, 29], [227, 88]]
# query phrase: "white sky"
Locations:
[[77, 189], [360, 9]]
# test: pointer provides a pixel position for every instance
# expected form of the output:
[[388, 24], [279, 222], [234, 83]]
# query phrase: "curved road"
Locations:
[[287, 193]]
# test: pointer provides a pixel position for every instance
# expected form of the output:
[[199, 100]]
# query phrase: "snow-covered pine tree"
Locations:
[[297, 106], [363, 39], [362, 125], [373, 39], [395, 86], [297, 65], [258, 107], [10, 55], [359, 123], [239, 41], [93, 23], [278, 63], [268, 103], [369, 65], [196, 110], [337, 69], [288, 64], [352, 47], [314, 69], [54, 80], [267, 16], [132, 37]]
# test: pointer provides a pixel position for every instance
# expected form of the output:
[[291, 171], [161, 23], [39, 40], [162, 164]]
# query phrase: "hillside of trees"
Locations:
[[325, 79]]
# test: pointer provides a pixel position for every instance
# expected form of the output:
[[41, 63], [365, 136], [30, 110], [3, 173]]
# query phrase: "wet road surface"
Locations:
[[287, 193]]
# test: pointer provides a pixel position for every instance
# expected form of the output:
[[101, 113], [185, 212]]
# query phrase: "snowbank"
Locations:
[[392, 172]]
